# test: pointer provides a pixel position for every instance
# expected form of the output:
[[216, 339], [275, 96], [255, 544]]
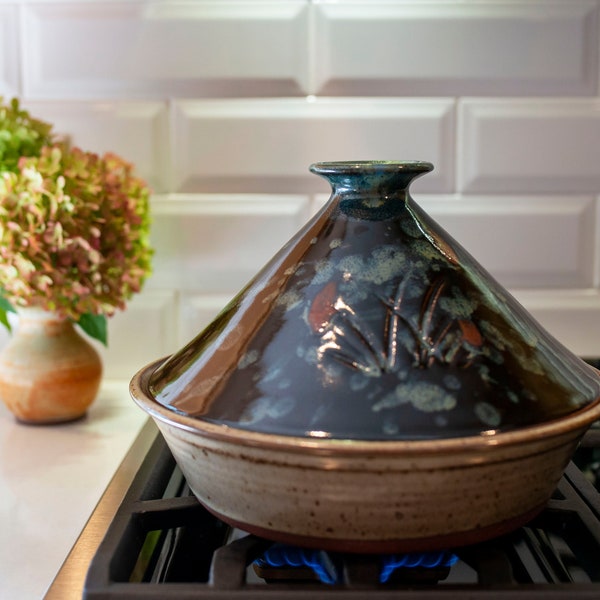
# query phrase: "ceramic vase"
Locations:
[[49, 373]]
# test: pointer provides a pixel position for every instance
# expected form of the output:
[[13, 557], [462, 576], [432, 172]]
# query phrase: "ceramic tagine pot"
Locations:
[[372, 368]]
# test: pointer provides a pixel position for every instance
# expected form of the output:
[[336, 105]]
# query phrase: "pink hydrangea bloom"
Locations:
[[74, 232]]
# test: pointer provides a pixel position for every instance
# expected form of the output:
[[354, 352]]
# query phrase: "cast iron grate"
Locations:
[[164, 544]]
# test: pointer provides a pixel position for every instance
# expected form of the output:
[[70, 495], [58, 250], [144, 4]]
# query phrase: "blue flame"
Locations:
[[428, 560], [280, 555]]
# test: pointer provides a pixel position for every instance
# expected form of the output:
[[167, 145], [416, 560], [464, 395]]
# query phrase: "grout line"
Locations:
[[22, 60], [596, 244], [458, 142], [311, 51]]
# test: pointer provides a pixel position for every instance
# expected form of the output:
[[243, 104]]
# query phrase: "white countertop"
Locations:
[[51, 478]]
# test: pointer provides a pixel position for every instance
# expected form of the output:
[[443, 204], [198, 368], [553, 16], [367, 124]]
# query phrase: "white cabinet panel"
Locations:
[[164, 49], [267, 145], [538, 146], [144, 332], [217, 243], [499, 47], [9, 51], [530, 241], [571, 316], [197, 311], [137, 131]]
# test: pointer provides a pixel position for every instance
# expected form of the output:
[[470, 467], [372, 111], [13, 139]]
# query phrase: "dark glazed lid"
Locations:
[[373, 323]]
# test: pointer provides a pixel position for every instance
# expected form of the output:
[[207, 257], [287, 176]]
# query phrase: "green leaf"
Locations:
[[95, 326], [4, 319], [22, 135], [5, 308]]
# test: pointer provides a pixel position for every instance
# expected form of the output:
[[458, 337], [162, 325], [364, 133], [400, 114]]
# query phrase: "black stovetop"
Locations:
[[164, 544]]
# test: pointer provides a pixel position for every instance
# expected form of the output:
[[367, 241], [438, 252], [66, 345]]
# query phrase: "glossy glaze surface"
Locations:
[[373, 323]]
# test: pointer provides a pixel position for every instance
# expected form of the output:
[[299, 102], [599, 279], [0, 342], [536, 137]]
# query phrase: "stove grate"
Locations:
[[164, 544]]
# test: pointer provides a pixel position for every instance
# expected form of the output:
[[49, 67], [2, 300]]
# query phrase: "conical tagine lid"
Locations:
[[373, 323]]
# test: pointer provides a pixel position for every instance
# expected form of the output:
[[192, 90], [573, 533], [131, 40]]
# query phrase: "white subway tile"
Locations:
[[9, 51], [523, 241], [448, 47], [596, 249], [525, 168], [137, 131], [145, 331], [217, 243], [164, 49], [267, 145], [528, 241], [529, 146], [197, 311], [571, 316]]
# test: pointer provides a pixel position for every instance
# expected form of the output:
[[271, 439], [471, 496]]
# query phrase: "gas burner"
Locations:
[[281, 562], [163, 543]]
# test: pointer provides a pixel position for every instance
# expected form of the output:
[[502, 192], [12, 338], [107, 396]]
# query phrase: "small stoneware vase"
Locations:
[[48, 372]]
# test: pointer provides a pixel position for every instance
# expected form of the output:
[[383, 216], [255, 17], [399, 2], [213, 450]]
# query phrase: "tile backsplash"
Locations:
[[222, 106]]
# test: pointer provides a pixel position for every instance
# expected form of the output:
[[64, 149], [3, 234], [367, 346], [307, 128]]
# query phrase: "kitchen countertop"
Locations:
[[51, 478]]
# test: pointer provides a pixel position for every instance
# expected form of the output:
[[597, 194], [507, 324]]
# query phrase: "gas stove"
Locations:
[[150, 538], [161, 543]]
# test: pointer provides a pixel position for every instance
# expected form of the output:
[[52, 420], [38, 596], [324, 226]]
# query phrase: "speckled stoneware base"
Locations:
[[373, 323], [387, 546], [369, 496]]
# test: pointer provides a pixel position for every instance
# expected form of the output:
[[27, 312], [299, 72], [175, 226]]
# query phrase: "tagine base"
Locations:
[[357, 546]]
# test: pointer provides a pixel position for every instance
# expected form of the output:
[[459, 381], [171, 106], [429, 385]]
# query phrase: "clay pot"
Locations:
[[49, 373], [373, 387]]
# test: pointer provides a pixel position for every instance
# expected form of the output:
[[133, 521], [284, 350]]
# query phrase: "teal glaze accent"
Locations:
[[373, 323]]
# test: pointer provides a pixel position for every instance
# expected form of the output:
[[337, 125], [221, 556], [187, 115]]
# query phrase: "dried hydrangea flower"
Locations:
[[74, 232]]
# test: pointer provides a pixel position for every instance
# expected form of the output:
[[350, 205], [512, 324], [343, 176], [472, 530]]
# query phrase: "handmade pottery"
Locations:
[[372, 358], [48, 372]]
